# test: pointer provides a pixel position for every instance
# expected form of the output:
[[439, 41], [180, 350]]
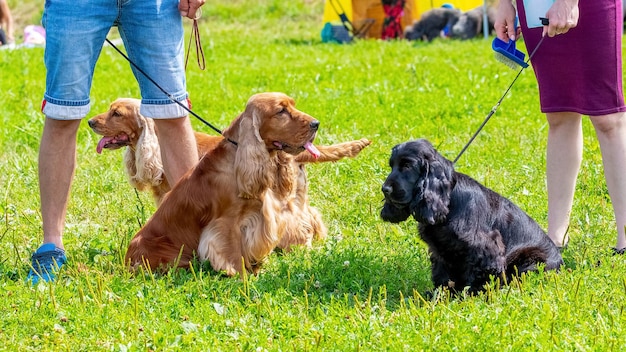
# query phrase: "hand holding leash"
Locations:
[[189, 8]]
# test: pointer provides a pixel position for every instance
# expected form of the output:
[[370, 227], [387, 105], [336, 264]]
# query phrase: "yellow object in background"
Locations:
[[464, 5], [419, 7], [330, 15]]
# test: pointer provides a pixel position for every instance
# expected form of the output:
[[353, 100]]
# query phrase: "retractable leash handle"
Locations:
[[545, 22]]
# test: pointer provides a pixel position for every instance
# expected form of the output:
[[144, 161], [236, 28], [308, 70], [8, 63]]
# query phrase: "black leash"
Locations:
[[166, 93], [493, 110]]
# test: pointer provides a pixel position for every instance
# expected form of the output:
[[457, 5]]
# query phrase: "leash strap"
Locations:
[[195, 38], [493, 110], [165, 92]]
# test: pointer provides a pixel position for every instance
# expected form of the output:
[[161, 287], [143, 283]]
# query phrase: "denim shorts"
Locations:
[[152, 33]]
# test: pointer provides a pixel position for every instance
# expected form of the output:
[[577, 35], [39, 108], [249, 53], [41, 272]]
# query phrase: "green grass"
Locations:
[[362, 288]]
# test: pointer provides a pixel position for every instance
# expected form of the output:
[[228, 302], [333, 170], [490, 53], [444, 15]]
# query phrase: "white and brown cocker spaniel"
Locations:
[[123, 126]]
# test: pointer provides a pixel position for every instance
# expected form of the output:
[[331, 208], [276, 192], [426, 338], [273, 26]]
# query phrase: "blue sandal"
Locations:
[[46, 261]]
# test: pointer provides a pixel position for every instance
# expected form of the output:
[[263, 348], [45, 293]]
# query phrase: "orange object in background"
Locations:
[[364, 10]]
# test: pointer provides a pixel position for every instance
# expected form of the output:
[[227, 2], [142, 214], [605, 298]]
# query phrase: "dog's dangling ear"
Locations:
[[252, 160], [143, 163], [435, 187], [286, 174], [148, 153]]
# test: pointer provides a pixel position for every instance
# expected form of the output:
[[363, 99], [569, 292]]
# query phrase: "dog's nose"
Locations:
[[91, 123], [387, 189], [314, 125]]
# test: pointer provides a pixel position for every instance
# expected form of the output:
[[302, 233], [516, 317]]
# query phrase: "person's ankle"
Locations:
[[57, 241], [560, 241]]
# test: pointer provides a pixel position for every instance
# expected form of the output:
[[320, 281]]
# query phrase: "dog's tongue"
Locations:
[[312, 149], [104, 141]]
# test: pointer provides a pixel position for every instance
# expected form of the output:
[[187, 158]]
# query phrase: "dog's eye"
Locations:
[[406, 164], [284, 111]]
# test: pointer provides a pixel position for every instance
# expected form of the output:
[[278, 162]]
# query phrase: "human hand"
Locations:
[[504, 24], [563, 16], [189, 8]]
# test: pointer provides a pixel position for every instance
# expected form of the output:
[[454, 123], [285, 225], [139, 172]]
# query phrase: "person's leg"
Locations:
[[564, 156], [611, 132], [153, 34], [178, 147], [69, 71], [57, 161]]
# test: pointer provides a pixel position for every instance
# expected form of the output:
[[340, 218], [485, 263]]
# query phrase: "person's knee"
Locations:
[[607, 124], [61, 129], [171, 121], [565, 119], [174, 126]]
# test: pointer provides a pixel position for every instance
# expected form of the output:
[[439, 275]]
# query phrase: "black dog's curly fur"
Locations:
[[470, 24], [471, 231], [432, 22]]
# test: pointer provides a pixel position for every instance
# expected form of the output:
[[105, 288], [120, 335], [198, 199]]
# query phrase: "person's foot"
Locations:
[[561, 242], [618, 251], [46, 261], [562, 246]]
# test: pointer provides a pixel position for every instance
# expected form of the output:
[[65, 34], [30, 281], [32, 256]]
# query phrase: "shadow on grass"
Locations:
[[348, 272], [330, 272], [323, 273]]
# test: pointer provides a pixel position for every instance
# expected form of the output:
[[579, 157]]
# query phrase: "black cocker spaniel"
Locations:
[[471, 231]]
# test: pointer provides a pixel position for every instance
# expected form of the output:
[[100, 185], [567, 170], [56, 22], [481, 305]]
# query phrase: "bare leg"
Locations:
[[611, 132], [57, 162], [178, 147], [564, 156]]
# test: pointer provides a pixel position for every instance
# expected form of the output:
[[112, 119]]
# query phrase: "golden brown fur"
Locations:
[[242, 201], [122, 125]]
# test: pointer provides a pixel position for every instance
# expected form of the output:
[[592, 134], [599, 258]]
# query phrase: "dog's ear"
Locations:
[[143, 160], [435, 185], [286, 173], [148, 153], [252, 160]]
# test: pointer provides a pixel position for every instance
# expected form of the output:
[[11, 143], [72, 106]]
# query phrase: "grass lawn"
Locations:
[[361, 289]]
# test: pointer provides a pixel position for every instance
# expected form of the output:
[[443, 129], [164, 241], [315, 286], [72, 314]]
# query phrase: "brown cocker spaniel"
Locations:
[[243, 199]]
